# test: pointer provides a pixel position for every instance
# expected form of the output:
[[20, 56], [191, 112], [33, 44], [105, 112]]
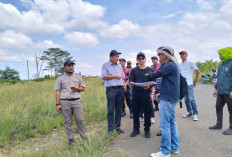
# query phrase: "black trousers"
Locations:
[[127, 95], [141, 100], [220, 103]]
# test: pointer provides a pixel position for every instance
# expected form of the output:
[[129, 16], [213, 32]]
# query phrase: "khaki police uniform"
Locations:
[[70, 102]]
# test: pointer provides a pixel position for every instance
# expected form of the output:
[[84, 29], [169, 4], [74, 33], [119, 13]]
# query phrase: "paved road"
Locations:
[[196, 140]]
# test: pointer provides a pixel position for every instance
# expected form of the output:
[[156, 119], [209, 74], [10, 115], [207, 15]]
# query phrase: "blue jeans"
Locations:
[[115, 98], [168, 128], [190, 101]]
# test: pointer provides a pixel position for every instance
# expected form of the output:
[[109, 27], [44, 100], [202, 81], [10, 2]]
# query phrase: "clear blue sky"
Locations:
[[90, 29]]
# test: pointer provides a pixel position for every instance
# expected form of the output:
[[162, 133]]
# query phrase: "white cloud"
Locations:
[[8, 56], [51, 16], [124, 29], [13, 40], [46, 44], [206, 5], [80, 39], [169, 16]]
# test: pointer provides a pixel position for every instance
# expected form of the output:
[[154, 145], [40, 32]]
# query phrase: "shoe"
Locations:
[[187, 115], [147, 134], [156, 109], [140, 119], [175, 151], [159, 154], [195, 117], [134, 133], [120, 131], [152, 120], [215, 127], [227, 132], [131, 115], [71, 142], [123, 114], [159, 133]]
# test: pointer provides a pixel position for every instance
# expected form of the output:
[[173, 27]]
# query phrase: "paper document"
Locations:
[[150, 83]]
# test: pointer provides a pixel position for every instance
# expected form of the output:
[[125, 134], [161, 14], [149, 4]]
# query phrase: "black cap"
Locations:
[[140, 54], [122, 59], [68, 62], [114, 53], [154, 57]]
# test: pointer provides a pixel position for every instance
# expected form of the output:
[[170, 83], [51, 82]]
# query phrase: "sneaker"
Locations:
[[228, 132], [123, 114], [134, 133], [187, 115], [215, 127], [152, 120], [175, 151], [195, 117], [159, 154], [147, 134], [71, 142], [159, 133], [140, 119], [120, 131]]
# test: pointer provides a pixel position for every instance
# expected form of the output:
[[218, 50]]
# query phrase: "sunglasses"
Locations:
[[159, 54], [141, 58]]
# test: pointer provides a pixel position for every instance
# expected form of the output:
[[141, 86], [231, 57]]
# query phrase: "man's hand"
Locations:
[[125, 88], [215, 93], [230, 95], [132, 84], [146, 88], [58, 107], [118, 76], [194, 83]]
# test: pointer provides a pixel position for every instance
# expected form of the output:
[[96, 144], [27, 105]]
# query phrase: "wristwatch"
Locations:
[[57, 104]]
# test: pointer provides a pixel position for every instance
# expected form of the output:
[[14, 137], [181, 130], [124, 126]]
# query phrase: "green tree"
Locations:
[[55, 58], [9, 74], [207, 65]]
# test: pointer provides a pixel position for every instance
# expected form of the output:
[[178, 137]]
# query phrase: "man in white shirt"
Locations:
[[186, 69]]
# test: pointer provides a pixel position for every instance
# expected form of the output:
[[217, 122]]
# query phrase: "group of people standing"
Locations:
[[165, 71], [121, 81]]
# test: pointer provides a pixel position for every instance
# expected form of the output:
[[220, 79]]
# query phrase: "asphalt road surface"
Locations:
[[196, 140]]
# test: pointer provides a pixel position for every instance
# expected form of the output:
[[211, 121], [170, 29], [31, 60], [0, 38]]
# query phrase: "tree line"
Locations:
[[54, 59]]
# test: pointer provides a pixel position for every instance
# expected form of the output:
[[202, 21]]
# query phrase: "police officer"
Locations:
[[68, 99]]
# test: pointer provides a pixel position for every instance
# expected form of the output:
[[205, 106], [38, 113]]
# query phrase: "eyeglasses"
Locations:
[[142, 58]]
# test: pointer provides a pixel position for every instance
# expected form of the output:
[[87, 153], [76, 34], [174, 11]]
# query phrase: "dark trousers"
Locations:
[[115, 97], [141, 100], [128, 99], [141, 112], [220, 103]]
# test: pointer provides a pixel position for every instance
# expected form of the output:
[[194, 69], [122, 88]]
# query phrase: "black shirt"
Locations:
[[137, 75]]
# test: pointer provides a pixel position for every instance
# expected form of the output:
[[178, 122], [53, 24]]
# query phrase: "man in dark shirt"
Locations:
[[169, 96], [141, 96]]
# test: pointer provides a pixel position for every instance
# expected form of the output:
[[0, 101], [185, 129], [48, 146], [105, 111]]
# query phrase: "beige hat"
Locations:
[[169, 52]]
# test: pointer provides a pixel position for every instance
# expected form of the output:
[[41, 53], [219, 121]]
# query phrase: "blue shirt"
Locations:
[[170, 86], [109, 68]]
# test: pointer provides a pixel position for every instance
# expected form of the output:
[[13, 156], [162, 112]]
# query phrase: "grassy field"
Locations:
[[28, 116]]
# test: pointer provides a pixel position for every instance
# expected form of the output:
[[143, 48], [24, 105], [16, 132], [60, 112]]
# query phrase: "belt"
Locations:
[[115, 87], [71, 99]]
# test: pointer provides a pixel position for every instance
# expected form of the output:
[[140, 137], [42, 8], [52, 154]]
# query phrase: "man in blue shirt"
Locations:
[[223, 89], [112, 74], [169, 96]]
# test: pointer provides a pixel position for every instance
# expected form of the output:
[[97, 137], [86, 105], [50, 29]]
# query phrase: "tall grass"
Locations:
[[28, 109]]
